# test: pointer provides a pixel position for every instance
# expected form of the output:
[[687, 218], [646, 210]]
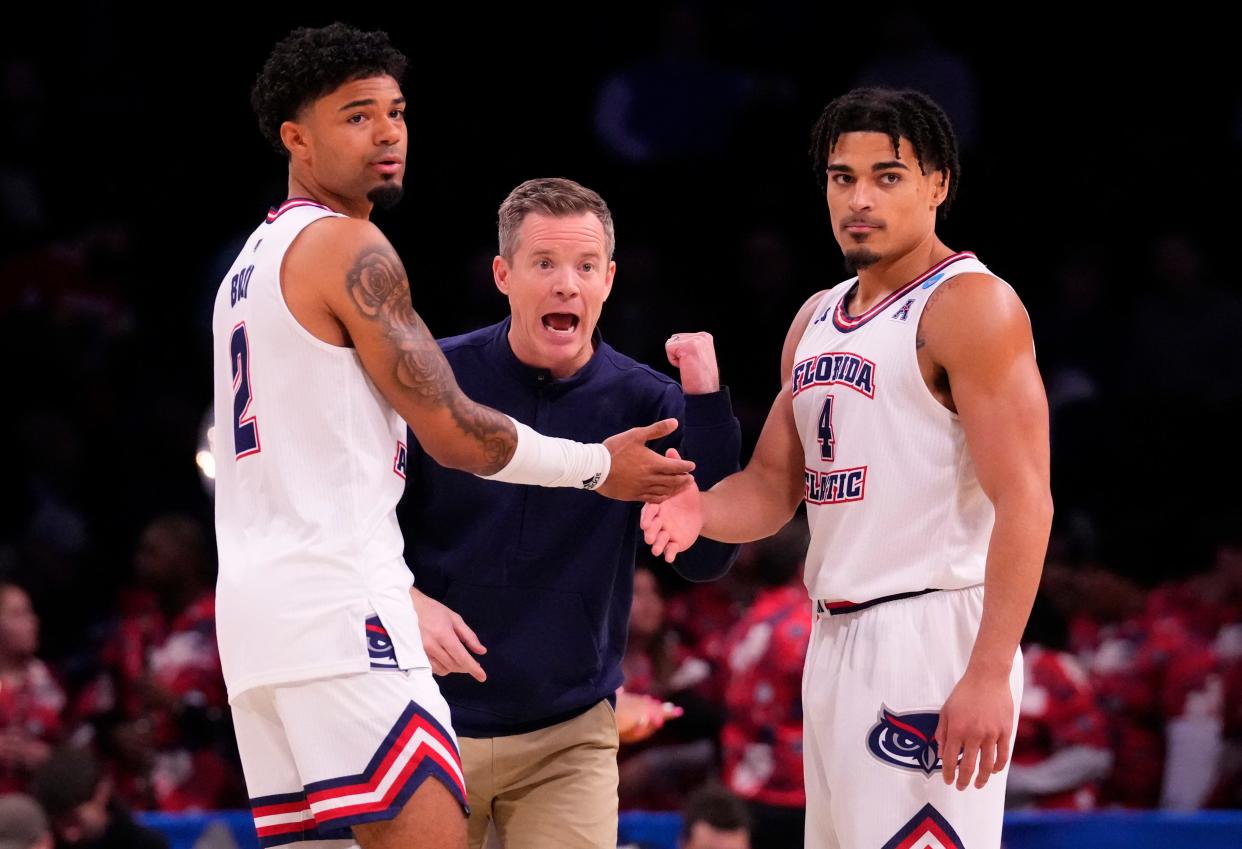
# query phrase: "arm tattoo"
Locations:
[[919, 339], [380, 291]]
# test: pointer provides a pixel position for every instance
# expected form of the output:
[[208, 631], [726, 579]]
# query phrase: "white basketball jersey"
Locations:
[[892, 498], [310, 464]]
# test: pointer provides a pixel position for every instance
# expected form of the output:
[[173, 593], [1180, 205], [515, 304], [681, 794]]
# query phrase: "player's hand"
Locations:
[[976, 724], [640, 716], [694, 354], [640, 474], [672, 526], [446, 638]]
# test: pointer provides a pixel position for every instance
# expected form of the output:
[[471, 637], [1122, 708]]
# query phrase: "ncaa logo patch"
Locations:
[[928, 829], [905, 740]]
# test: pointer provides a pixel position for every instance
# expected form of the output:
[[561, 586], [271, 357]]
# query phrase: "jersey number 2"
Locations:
[[826, 440], [245, 427]]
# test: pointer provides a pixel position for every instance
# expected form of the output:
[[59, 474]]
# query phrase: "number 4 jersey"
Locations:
[[310, 464], [893, 501]]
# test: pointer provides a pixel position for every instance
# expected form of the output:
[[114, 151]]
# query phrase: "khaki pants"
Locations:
[[555, 788]]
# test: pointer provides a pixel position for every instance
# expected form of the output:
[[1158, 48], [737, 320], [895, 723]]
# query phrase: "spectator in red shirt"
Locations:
[[159, 706], [1160, 687], [654, 773], [1227, 642], [762, 735], [703, 615], [31, 701], [1061, 746]]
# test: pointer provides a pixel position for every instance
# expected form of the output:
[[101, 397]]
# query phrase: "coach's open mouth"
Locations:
[[561, 322]]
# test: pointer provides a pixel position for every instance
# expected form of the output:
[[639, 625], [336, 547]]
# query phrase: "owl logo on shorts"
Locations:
[[905, 740], [379, 645]]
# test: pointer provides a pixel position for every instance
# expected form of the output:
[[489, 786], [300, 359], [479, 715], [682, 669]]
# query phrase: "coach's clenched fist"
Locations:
[[694, 354]]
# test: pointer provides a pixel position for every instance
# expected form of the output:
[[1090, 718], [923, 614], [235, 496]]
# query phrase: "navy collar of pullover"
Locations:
[[538, 378]]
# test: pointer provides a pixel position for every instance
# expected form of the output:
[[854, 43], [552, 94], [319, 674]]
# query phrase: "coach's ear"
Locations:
[[500, 273]]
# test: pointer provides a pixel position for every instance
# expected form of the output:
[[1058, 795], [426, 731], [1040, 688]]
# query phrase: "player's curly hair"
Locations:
[[310, 62], [899, 114]]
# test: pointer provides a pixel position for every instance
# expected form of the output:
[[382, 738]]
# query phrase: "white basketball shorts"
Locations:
[[324, 755], [875, 680]]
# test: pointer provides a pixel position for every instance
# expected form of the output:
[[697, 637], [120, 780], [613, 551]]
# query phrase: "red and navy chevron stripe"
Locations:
[[416, 748], [927, 830], [845, 322], [292, 203]]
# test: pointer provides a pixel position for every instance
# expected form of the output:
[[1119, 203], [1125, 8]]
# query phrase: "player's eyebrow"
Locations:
[[370, 101], [879, 166]]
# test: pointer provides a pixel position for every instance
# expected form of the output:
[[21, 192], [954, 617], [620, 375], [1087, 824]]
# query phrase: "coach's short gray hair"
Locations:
[[554, 196]]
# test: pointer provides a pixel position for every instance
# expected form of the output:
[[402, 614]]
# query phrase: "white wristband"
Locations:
[[550, 461]]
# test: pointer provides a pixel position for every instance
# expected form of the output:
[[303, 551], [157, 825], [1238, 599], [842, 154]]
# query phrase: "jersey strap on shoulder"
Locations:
[[292, 203]]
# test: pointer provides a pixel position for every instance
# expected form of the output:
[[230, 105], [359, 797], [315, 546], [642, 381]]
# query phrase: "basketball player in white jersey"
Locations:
[[320, 361], [913, 423]]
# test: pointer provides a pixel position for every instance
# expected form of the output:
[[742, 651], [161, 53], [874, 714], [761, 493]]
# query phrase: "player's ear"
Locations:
[[500, 273], [293, 136], [941, 191]]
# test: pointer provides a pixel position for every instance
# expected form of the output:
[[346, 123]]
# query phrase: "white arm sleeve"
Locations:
[[549, 461]]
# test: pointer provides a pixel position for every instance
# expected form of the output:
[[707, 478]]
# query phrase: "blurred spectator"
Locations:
[[1227, 575], [653, 774], [79, 803], [1076, 336], [1160, 687], [702, 617], [23, 207], [713, 818], [656, 662], [23, 824], [1173, 356], [30, 699], [1060, 747], [762, 735], [158, 705]]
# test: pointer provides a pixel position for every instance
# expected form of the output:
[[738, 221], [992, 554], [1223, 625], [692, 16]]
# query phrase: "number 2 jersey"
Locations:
[[893, 501], [310, 464]]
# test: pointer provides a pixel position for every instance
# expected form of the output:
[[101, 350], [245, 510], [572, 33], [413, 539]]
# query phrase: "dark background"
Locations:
[[1100, 177]]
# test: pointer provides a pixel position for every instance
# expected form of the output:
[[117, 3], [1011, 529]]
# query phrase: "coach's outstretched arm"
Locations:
[[360, 283], [757, 501]]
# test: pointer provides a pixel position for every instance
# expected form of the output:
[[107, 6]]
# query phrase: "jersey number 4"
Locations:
[[827, 442], [245, 427]]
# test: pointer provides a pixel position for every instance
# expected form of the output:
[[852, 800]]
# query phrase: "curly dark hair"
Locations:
[[899, 114], [308, 63]]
